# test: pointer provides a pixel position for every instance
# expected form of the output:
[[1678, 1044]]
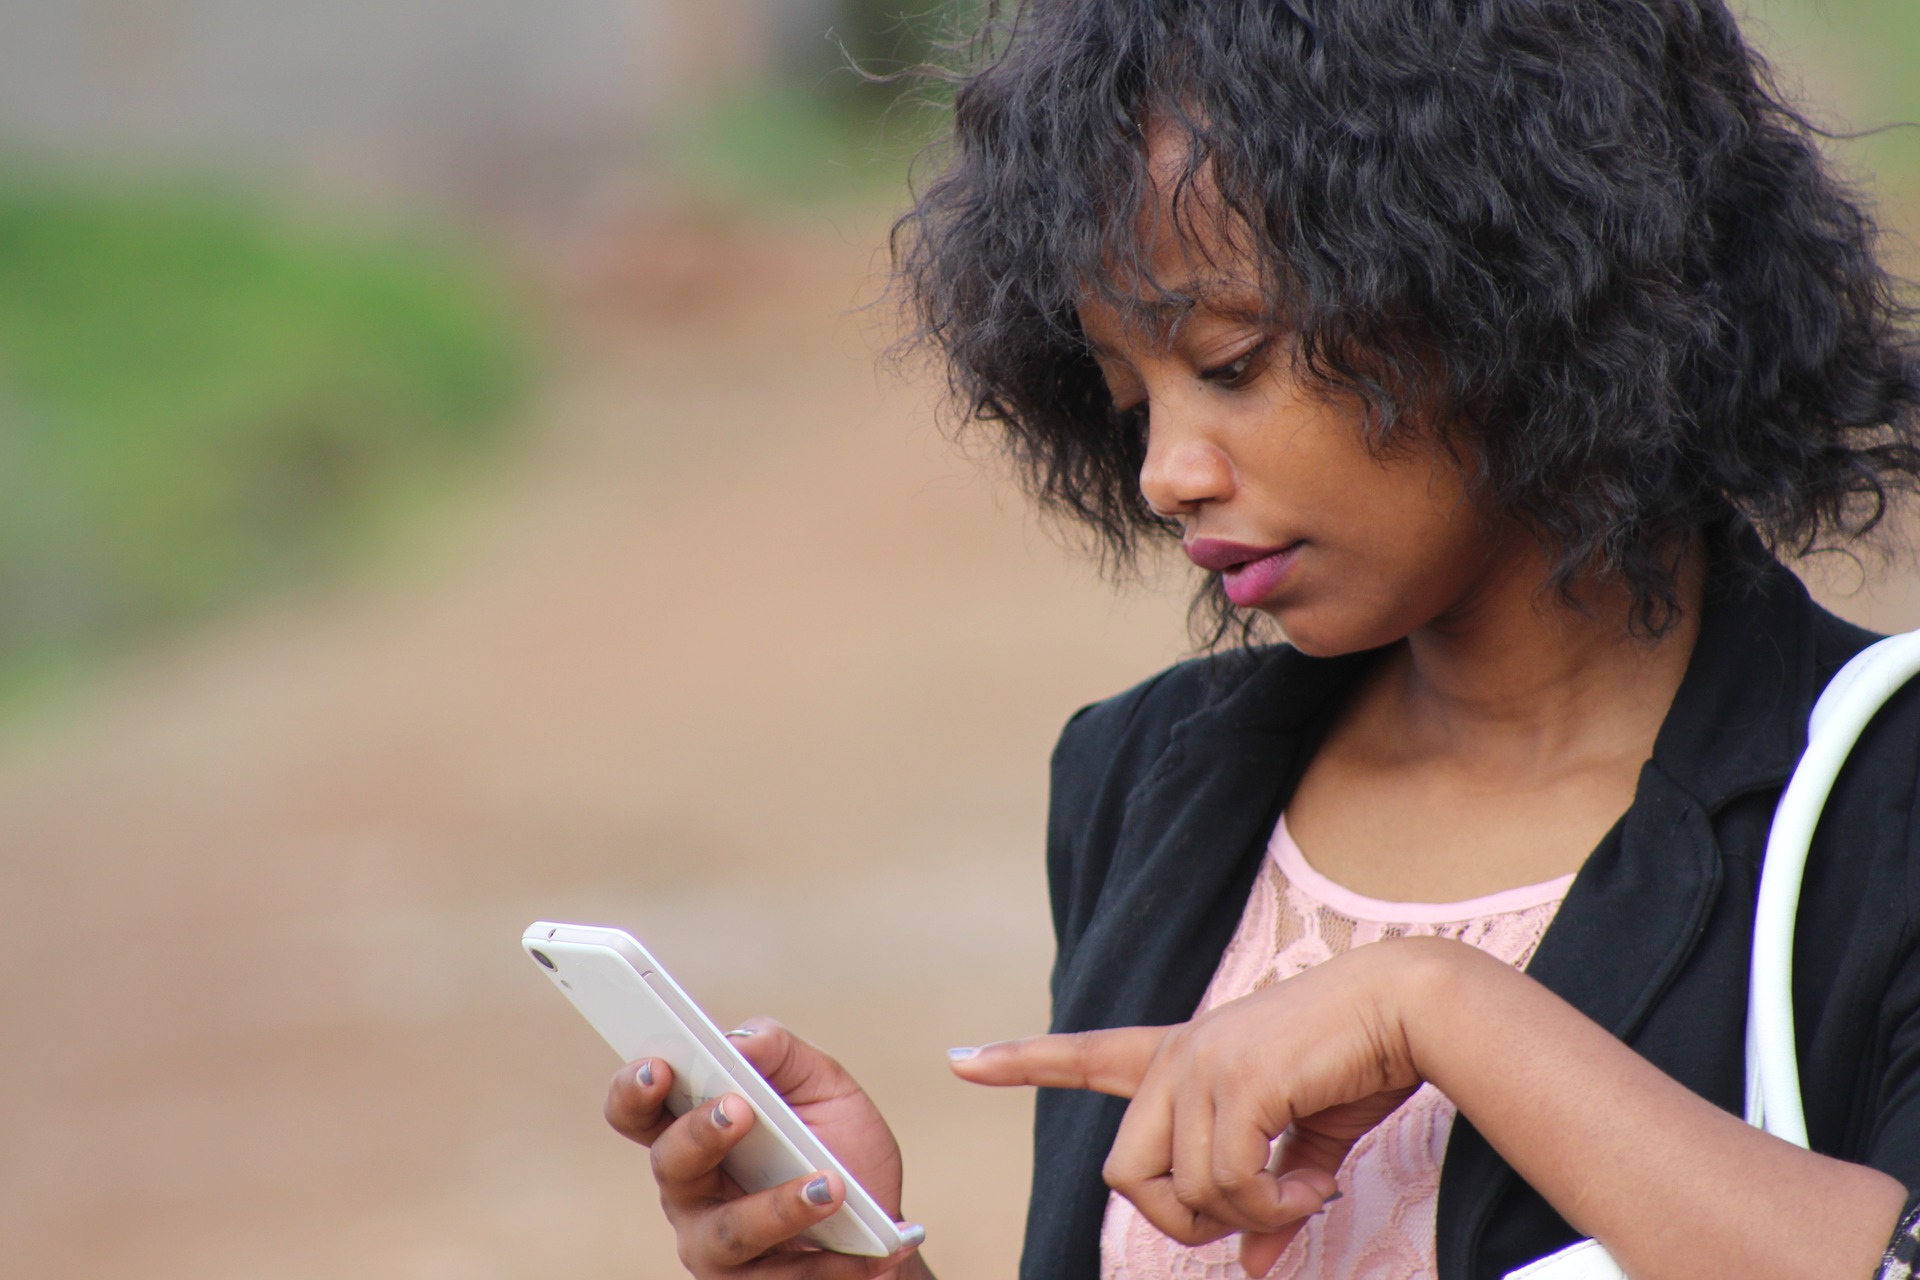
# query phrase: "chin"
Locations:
[[1315, 634]]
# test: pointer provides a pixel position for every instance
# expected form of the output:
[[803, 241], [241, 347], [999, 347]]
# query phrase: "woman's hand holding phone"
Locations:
[[720, 1230]]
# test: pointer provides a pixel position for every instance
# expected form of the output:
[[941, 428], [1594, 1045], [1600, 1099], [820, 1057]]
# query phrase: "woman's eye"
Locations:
[[1237, 372]]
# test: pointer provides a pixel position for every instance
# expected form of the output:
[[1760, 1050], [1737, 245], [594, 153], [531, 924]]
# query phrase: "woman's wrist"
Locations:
[[1431, 979]]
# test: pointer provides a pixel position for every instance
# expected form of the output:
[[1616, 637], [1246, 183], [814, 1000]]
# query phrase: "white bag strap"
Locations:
[[1848, 705]]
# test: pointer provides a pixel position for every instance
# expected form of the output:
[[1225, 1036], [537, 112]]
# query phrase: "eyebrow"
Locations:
[[1164, 317]]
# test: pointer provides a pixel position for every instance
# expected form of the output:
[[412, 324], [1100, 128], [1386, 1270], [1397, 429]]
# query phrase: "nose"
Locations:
[[1184, 469]]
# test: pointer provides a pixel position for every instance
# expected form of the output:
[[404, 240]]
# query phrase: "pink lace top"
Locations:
[[1382, 1229]]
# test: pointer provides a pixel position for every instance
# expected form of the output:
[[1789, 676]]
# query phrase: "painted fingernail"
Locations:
[[912, 1235], [1337, 1195], [645, 1074], [817, 1191], [741, 1033], [720, 1116], [961, 1055]]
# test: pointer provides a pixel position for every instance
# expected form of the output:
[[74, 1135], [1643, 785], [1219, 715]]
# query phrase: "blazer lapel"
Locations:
[[1190, 846], [1631, 919], [1191, 842]]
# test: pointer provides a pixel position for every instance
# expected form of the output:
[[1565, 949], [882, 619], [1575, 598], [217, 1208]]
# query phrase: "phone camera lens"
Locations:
[[541, 956]]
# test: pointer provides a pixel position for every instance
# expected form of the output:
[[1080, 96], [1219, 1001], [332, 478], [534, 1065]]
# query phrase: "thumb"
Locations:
[[1301, 1195], [1109, 1062]]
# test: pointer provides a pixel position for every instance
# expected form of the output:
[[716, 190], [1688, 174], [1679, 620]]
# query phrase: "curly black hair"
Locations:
[[1595, 230]]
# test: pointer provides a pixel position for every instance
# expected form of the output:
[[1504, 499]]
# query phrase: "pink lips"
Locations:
[[1250, 574]]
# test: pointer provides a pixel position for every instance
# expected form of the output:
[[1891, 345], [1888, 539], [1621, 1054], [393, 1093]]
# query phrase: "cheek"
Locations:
[[1401, 549], [1410, 511], [1429, 532]]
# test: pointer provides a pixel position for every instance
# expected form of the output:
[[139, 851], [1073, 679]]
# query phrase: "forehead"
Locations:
[[1186, 252]]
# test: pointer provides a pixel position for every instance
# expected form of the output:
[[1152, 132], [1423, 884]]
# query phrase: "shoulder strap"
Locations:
[[1843, 712]]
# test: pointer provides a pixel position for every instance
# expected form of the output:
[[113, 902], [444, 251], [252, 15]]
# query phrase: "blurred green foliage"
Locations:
[[841, 118], [779, 146], [202, 395], [1851, 62]]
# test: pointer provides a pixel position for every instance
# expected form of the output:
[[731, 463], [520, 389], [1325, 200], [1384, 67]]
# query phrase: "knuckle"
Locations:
[[1194, 1196], [728, 1245], [1193, 1234], [675, 1152], [790, 1211], [700, 1133], [1130, 1181], [1234, 1183], [1193, 1042], [623, 1118], [1189, 1228]]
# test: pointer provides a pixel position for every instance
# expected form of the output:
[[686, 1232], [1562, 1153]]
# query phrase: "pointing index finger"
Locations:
[[1110, 1062]]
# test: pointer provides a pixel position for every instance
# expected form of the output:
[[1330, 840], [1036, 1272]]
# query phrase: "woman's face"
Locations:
[[1271, 481]]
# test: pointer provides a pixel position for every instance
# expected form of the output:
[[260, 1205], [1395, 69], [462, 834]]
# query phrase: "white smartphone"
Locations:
[[641, 1011]]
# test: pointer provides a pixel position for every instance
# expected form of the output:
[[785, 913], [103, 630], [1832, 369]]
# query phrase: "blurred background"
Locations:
[[445, 481]]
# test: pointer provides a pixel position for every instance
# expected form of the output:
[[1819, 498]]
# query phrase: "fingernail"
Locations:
[[720, 1116], [961, 1055], [645, 1074], [912, 1235], [741, 1033], [1337, 1195], [817, 1191]]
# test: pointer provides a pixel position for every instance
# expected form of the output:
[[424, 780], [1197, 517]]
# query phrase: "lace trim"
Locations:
[[1334, 896]]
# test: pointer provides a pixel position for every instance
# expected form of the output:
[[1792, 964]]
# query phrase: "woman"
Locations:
[[1486, 347]]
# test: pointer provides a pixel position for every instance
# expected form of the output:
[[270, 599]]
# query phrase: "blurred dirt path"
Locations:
[[739, 654]]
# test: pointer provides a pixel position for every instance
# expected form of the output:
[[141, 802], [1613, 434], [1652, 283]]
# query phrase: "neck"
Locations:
[[1525, 680]]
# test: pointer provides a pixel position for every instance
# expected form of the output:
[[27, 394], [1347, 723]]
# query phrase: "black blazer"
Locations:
[[1163, 799]]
